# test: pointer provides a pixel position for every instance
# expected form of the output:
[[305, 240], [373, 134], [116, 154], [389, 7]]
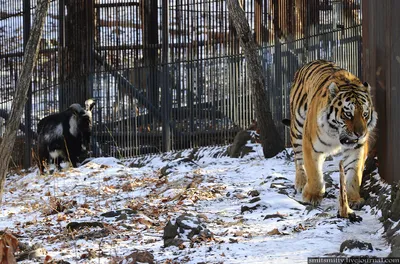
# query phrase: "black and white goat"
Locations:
[[63, 136]]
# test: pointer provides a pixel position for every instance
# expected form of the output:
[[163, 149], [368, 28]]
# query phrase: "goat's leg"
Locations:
[[43, 156], [57, 162]]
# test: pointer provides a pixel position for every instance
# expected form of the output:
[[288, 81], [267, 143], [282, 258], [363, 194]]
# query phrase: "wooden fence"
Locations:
[[381, 68]]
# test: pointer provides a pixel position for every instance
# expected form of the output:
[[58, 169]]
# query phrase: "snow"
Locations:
[[211, 186]]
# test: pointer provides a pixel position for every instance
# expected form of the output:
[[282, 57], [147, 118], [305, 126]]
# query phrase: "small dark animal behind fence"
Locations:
[[65, 135]]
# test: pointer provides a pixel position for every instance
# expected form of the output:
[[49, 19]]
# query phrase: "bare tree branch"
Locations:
[[270, 138], [20, 97]]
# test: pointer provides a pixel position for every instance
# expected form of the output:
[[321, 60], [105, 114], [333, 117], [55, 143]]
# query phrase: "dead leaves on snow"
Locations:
[[57, 204], [8, 246], [275, 232]]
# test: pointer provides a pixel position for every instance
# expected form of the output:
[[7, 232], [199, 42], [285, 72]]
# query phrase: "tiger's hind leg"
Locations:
[[353, 165], [314, 190], [301, 179], [296, 140], [296, 137]]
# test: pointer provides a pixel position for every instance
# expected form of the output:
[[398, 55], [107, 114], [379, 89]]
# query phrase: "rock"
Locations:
[[193, 153], [246, 208], [276, 185], [26, 247], [197, 230], [254, 200], [94, 234], [241, 138], [79, 225], [280, 178], [90, 254], [114, 213], [173, 242], [141, 256], [122, 217], [194, 231], [187, 221], [253, 193], [283, 191], [277, 215], [136, 165], [245, 151], [355, 244], [164, 171], [206, 233], [170, 231], [32, 254]]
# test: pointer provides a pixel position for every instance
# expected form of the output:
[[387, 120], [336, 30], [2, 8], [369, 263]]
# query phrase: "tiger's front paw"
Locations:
[[356, 204], [355, 200], [313, 195]]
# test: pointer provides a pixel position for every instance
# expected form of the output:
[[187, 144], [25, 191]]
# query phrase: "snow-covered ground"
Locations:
[[204, 188]]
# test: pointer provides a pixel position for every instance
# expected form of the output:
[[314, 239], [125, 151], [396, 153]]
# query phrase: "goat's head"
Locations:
[[81, 121], [85, 123], [83, 116]]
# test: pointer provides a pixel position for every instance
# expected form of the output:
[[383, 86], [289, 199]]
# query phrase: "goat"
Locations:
[[64, 135]]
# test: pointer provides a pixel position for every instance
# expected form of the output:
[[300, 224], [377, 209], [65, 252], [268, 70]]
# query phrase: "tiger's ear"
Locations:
[[366, 85], [333, 90]]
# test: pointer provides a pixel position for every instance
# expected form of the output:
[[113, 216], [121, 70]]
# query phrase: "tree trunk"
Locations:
[[270, 139], [77, 64], [20, 97]]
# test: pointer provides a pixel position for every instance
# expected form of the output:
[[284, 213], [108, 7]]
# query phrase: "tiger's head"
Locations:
[[351, 113]]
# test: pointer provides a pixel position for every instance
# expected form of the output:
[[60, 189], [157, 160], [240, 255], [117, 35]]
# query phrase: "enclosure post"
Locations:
[[150, 59], [165, 98], [76, 52], [28, 105], [61, 50]]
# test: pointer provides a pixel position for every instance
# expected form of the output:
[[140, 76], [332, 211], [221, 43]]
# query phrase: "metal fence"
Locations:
[[166, 74]]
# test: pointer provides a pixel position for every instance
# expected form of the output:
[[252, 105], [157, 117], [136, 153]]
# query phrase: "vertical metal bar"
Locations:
[[165, 101], [28, 105]]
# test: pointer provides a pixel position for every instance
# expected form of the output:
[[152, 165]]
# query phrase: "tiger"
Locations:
[[331, 112]]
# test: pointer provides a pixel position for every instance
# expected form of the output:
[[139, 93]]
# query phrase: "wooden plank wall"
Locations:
[[381, 68]]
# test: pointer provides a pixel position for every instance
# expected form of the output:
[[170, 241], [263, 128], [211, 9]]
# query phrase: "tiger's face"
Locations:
[[353, 115]]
